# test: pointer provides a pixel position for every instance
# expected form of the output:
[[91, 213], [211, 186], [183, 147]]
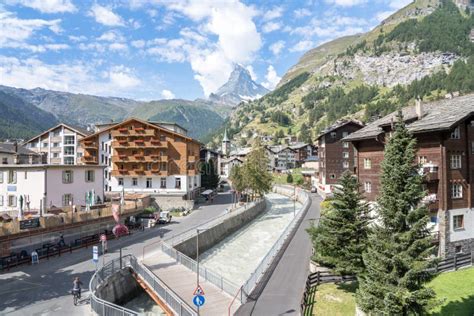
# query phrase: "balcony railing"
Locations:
[[430, 172], [133, 132], [89, 159], [89, 144]]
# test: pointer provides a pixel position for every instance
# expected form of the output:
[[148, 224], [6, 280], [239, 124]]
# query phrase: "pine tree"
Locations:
[[341, 237], [397, 256], [289, 178], [256, 174], [236, 176]]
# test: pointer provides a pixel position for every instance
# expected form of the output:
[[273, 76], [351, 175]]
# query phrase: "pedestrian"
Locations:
[[76, 286], [61, 243]]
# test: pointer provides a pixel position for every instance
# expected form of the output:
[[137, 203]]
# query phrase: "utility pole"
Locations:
[[197, 262], [294, 201]]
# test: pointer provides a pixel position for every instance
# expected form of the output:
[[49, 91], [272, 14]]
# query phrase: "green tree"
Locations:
[[397, 256], [209, 176], [256, 175], [342, 234], [236, 176], [289, 178]]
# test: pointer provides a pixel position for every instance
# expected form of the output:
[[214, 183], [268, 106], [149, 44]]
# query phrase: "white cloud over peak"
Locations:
[[47, 6], [271, 78], [252, 72], [277, 47], [398, 4], [105, 16], [167, 94]]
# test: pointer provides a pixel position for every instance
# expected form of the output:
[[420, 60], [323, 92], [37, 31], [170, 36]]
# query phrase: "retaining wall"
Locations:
[[217, 233], [119, 288]]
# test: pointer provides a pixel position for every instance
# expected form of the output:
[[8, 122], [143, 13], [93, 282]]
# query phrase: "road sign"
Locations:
[[199, 291], [95, 254], [103, 237], [199, 300]]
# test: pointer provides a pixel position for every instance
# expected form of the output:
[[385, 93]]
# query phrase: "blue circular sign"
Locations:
[[199, 300]]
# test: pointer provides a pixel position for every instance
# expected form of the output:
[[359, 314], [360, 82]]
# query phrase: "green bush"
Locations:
[[289, 178]]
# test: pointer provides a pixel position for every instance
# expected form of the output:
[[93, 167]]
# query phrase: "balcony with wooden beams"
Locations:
[[136, 132], [89, 144], [89, 159], [139, 158]]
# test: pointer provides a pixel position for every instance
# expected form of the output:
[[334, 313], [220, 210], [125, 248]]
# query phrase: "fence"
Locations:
[[208, 275], [104, 308], [455, 262], [258, 273]]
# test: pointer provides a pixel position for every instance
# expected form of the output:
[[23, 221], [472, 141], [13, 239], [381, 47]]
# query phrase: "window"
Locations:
[[345, 164], [45, 144], [345, 144], [163, 183], [149, 183], [163, 138], [148, 166], [68, 160], [5, 161], [422, 160], [69, 150], [368, 187], [458, 249], [163, 166], [345, 134], [456, 133], [67, 199], [134, 181], [55, 144], [12, 200], [455, 161], [110, 136], [456, 191], [178, 183], [120, 181], [102, 158], [55, 155], [345, 154], [102, 145], [56, 133], [332, 176], [69, 140], [67, 176], [11, 176], [367, 163], [90, 175], [79, 155], [458, 222], [333, 134]]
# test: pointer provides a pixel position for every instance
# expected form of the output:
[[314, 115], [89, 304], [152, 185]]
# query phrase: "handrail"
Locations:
[[241, 289]]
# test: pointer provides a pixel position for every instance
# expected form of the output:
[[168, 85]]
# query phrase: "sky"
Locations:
[[163, 49]]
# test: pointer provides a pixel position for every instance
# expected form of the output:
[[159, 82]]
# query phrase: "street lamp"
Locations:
[[197, 258]]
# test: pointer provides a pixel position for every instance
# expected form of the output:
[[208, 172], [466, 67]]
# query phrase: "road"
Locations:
[[44, 289], [284, 290]]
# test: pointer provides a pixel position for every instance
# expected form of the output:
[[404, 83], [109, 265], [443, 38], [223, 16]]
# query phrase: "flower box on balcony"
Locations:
[[139, 129], [123, 130], [155, 141]]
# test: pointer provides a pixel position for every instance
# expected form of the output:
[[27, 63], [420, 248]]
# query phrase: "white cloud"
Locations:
[[122, 77], [273, 14], [380, 16], [277, 47], [252, 72], [346, 3], [271, 78], [300, 13], [271, 26], [105, 16], [47, 6], [302, 46], [111, 36], [167, 94], [118, 47], [168, 50], [138, 43], [76, 39], [398, 4]]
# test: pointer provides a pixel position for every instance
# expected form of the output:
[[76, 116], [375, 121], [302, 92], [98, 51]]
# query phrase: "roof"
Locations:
[[78, 130], [437, 116], [231, 159], [225, 139], [143, 122], [312, 158], [280, 148], [338, 125], [9, 148], [168, 123], [299, 145]]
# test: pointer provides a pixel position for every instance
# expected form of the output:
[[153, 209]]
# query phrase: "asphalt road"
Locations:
[[43, 289], [284, 290]]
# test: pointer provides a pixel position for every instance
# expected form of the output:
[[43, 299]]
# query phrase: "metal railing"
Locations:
[[105, 308], [208, 275], [303, 197]]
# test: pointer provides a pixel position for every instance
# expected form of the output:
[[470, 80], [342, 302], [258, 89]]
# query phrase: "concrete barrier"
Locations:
[[215, 234], [119, 288]]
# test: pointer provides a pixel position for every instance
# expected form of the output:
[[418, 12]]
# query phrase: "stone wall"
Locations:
[[119, 288], [217, 233], [168, 202]]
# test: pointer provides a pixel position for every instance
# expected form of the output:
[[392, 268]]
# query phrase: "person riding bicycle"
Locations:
[[76, 287]]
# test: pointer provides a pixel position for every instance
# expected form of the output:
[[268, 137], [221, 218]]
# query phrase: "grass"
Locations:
[[455, 290], [335, 299], [281, 178]]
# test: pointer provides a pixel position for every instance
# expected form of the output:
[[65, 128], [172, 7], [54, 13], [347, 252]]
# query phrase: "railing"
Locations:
[[102, 307], [208, 275], [258, 273]]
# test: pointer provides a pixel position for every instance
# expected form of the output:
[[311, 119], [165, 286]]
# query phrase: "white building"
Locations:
[[44, 186], [228, 164], [59, 145], [14, 154]]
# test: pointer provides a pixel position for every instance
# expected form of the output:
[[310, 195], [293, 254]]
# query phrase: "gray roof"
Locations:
[[9, 148], [438, 115], [338, 125], [298, 145]]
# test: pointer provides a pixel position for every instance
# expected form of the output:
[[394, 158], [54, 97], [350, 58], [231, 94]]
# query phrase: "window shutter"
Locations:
[[14, 200], [14, 179]]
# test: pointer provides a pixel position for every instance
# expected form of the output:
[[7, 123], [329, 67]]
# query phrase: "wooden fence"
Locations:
[[320, 277]]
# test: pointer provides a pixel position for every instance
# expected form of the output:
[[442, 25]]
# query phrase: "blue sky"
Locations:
[[155, 49]]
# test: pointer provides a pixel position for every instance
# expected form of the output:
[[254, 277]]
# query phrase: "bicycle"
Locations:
[[76, 295]]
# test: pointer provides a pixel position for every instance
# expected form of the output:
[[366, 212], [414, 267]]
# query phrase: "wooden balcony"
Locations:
[[431, 176], [120, 172], [133, 132], [192, 158], [89, 144], [89, 159]]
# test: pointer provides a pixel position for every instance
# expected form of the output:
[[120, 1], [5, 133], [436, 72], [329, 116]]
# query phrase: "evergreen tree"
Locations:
[[341, 237], [209, 176], [236, 176], [397, 256], [256, 175], [289, 178]]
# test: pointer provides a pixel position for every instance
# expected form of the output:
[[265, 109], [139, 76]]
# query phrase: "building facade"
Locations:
[[335, 156], [59, 145], [146, 158], [14, 154], [445, 153], [44, 186], [303, 152], [285, 158]]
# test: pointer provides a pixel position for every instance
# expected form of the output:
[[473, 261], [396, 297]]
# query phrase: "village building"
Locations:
[[444, 131], [14, 154], [335, 156], [144, 157], [59, 145]]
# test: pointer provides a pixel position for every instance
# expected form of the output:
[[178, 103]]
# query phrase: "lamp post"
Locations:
[[197, 260]]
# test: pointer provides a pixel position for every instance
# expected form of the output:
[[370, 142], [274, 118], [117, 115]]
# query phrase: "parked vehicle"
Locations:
[[314, 190], [165, 217]]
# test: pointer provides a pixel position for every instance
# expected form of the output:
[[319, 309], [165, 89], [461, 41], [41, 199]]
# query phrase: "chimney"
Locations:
[[15, 147], [419, 108]]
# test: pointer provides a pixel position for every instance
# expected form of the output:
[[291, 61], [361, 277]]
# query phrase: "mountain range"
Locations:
[[425, 50], [47, 108]]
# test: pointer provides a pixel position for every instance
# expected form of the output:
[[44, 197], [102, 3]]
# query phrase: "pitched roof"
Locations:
[[78, 130], [338, 125], [298, 145], [438, 115], [9, 148]]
